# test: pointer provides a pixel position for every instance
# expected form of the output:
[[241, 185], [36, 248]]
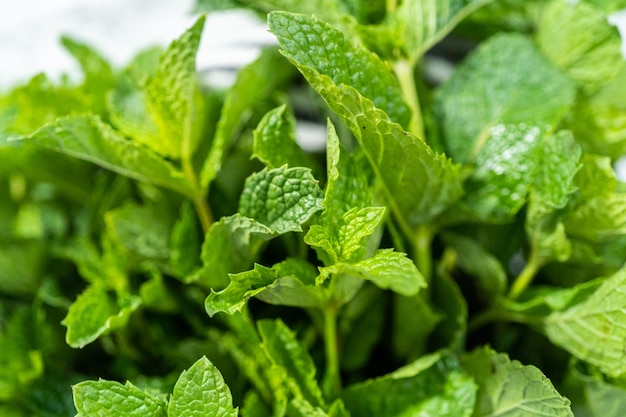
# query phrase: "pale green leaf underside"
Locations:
[[594, 330], [201, 391], [96, 312], [108, 398], [88, 138], [578, 38], [282, 198], [426, 22], [509, 389], [309, 42], [173, 94], [387, 269], [504, 81]]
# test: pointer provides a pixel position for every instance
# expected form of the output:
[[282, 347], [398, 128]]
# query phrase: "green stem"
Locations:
[[332, 378], [422, 251], [496, 314], [525, 277], [199, 202], [404, 71]]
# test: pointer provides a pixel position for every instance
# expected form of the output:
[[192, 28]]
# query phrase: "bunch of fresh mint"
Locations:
[[167, 248]]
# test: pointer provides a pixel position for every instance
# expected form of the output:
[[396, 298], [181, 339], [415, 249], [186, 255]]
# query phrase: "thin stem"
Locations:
[[404, 71], [496, 314], [200, 203], [525, 277], [422, 251], [332, 378]]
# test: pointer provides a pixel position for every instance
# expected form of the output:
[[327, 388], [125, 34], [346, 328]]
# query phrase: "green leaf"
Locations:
[[275, 140], [599, 121], [155, 294], [201, 391], [108, 398], [593, 330], [505, 81], [342, 240], [387, 269], [230, 246], [96, 312], [184, 245], [255, 83], [578, 38], [558, 164], [88, 138], [474, 259], [310, 43], [286, 283], [508, 388], [604, 399], [434, 385], [22, 266], [282, 198], [505, 170], [419, 184], [142, 229], [599, 212], [422, 25], [285, 352], [173, 97]]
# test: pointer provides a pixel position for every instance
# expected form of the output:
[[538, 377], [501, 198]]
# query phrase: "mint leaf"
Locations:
[[592, 330], [141, 229], [432, 385], [184, 245], [108, 398], [255, 83], [341, 241], [285, 352], [155, 294], [22, 266], [509, 388], [230, 246], [311, 43], [579, 39], [505, 81], [289, 279], [281, 198], [275, 140], [88, 138], [173, 97], [201, 391], [422, 25], [605, 399], [550, 192], [387, 269], [96, 312]]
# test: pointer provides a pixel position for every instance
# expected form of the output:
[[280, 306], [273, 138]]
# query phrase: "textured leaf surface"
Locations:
[[173, 96], [594, 330], [342, 240], [508, 388], [201, 391], [88, 138], [275, 140], [96, 312], [107, 398], [281, 198], [230, 246], [504, 81], [308, 42], [387, 269], [285, 351], [605, 400], [431, 386], [578, 38], [286, 282]]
